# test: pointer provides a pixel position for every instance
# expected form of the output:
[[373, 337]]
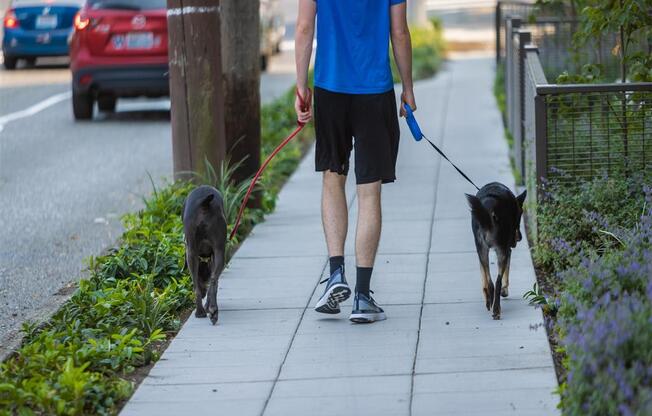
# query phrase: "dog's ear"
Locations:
[[207, 201], [478, 211], [521, 198]]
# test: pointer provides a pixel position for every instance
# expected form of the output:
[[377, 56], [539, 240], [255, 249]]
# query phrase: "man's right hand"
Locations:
[[407, 97], [303, 105]]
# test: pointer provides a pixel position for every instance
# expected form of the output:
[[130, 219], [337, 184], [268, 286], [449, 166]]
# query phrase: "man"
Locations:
[[353, 98]]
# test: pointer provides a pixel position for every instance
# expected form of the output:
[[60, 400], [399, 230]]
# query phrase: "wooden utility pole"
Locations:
[[241, 82], [196, 85]]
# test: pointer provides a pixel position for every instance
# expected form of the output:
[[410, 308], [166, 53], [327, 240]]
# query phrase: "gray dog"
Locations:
[[204, 226]]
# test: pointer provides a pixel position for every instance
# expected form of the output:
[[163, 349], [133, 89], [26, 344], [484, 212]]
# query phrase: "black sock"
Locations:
[[363, 279], [336, 262]]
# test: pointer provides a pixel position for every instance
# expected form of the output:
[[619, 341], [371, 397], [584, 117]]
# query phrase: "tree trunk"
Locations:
[[241, 82], [195, 86]]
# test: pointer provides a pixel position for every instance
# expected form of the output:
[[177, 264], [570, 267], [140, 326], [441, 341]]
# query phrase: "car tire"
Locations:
[[10, 62], [106, 103], [82, 105]]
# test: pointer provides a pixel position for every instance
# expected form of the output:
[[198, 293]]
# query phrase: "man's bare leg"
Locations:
[[365, 309], [335, 219], [367, 233], [334, 212]]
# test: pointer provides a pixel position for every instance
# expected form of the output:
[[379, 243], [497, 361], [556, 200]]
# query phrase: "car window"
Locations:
[[127, 4], [29, 3]]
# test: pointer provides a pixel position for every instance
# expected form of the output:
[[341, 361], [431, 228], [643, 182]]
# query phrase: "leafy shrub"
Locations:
[[117, 320], [427, 51], [605, 321], [575, 220], [112, 324]]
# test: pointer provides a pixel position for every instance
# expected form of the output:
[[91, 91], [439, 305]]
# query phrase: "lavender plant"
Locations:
[[605, 324]]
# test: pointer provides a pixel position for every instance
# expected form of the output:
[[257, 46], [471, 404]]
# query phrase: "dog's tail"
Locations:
[[479, 212]]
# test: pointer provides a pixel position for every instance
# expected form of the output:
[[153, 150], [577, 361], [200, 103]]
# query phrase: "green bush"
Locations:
[[604, 322], [113, 323], [427, 51], [595, 248], [575, 220], [79, 361]]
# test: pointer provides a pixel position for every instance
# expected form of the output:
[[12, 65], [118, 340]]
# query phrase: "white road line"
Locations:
[[35, 109]]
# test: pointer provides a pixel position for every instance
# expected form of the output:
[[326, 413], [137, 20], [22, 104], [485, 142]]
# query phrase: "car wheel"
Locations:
[[106, 103], [82, 105], [10, 62], [264, 62]]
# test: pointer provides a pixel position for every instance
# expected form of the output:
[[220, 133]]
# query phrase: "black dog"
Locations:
[[204, 226], [496, 218]]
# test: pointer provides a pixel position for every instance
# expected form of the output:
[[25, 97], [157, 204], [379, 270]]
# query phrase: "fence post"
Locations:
[[524, 38], [510, 24], [541, 141], [497, 21]]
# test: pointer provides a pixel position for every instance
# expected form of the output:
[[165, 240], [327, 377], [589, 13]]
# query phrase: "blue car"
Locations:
[[34, 28]]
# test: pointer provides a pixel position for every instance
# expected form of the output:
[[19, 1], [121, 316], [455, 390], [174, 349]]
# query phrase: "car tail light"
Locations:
[[11, 21], [81, 21]]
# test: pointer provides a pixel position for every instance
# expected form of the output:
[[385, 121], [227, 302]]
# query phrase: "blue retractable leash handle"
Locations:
[[412, 123], [418, 135]]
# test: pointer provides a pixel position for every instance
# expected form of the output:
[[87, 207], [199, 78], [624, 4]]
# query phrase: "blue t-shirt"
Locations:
[[353, 46]]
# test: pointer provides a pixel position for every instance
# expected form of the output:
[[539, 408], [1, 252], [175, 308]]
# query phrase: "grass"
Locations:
[[82, 361]]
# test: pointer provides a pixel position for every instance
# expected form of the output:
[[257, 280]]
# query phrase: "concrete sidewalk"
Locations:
[[438, 353]]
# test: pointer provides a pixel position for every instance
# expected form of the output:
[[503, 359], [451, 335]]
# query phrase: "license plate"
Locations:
[[140, 40], [46, 21]]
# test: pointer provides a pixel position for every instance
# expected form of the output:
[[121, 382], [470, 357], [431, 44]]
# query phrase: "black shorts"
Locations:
[[372, 119]]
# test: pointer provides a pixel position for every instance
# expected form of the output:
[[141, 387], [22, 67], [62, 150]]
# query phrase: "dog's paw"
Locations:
[[496, 313], [200, 313], [504, 292], [487, 299], [212, 314]]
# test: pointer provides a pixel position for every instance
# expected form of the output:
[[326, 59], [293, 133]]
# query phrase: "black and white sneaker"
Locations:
[[365, 310], [336, 292]]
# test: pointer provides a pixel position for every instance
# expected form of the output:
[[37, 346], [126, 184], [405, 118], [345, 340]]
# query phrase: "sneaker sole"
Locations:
[[367, 318], [330, 301]]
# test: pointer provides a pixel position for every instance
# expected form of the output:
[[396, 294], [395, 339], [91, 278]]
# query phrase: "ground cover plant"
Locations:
[[80, 362], [594, 256]]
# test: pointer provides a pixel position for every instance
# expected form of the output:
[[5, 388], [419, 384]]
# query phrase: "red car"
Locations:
[[119, 48]]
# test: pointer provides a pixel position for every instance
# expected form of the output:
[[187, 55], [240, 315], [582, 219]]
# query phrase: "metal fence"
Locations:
[[569, 132]]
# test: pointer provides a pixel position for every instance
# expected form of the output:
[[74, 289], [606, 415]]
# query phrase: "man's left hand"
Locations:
[[407, 97]]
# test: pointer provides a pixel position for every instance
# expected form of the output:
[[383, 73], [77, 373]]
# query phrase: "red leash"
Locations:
[[304, 106]]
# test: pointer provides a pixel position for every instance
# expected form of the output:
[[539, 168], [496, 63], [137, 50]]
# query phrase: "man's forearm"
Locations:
[[302, 54], [402, 47]]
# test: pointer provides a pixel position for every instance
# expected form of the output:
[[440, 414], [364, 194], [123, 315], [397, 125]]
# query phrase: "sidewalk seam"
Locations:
[[296, 330], [432, 224]]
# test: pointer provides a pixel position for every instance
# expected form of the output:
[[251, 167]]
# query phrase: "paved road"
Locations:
[[438, 353], [64, 185]]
